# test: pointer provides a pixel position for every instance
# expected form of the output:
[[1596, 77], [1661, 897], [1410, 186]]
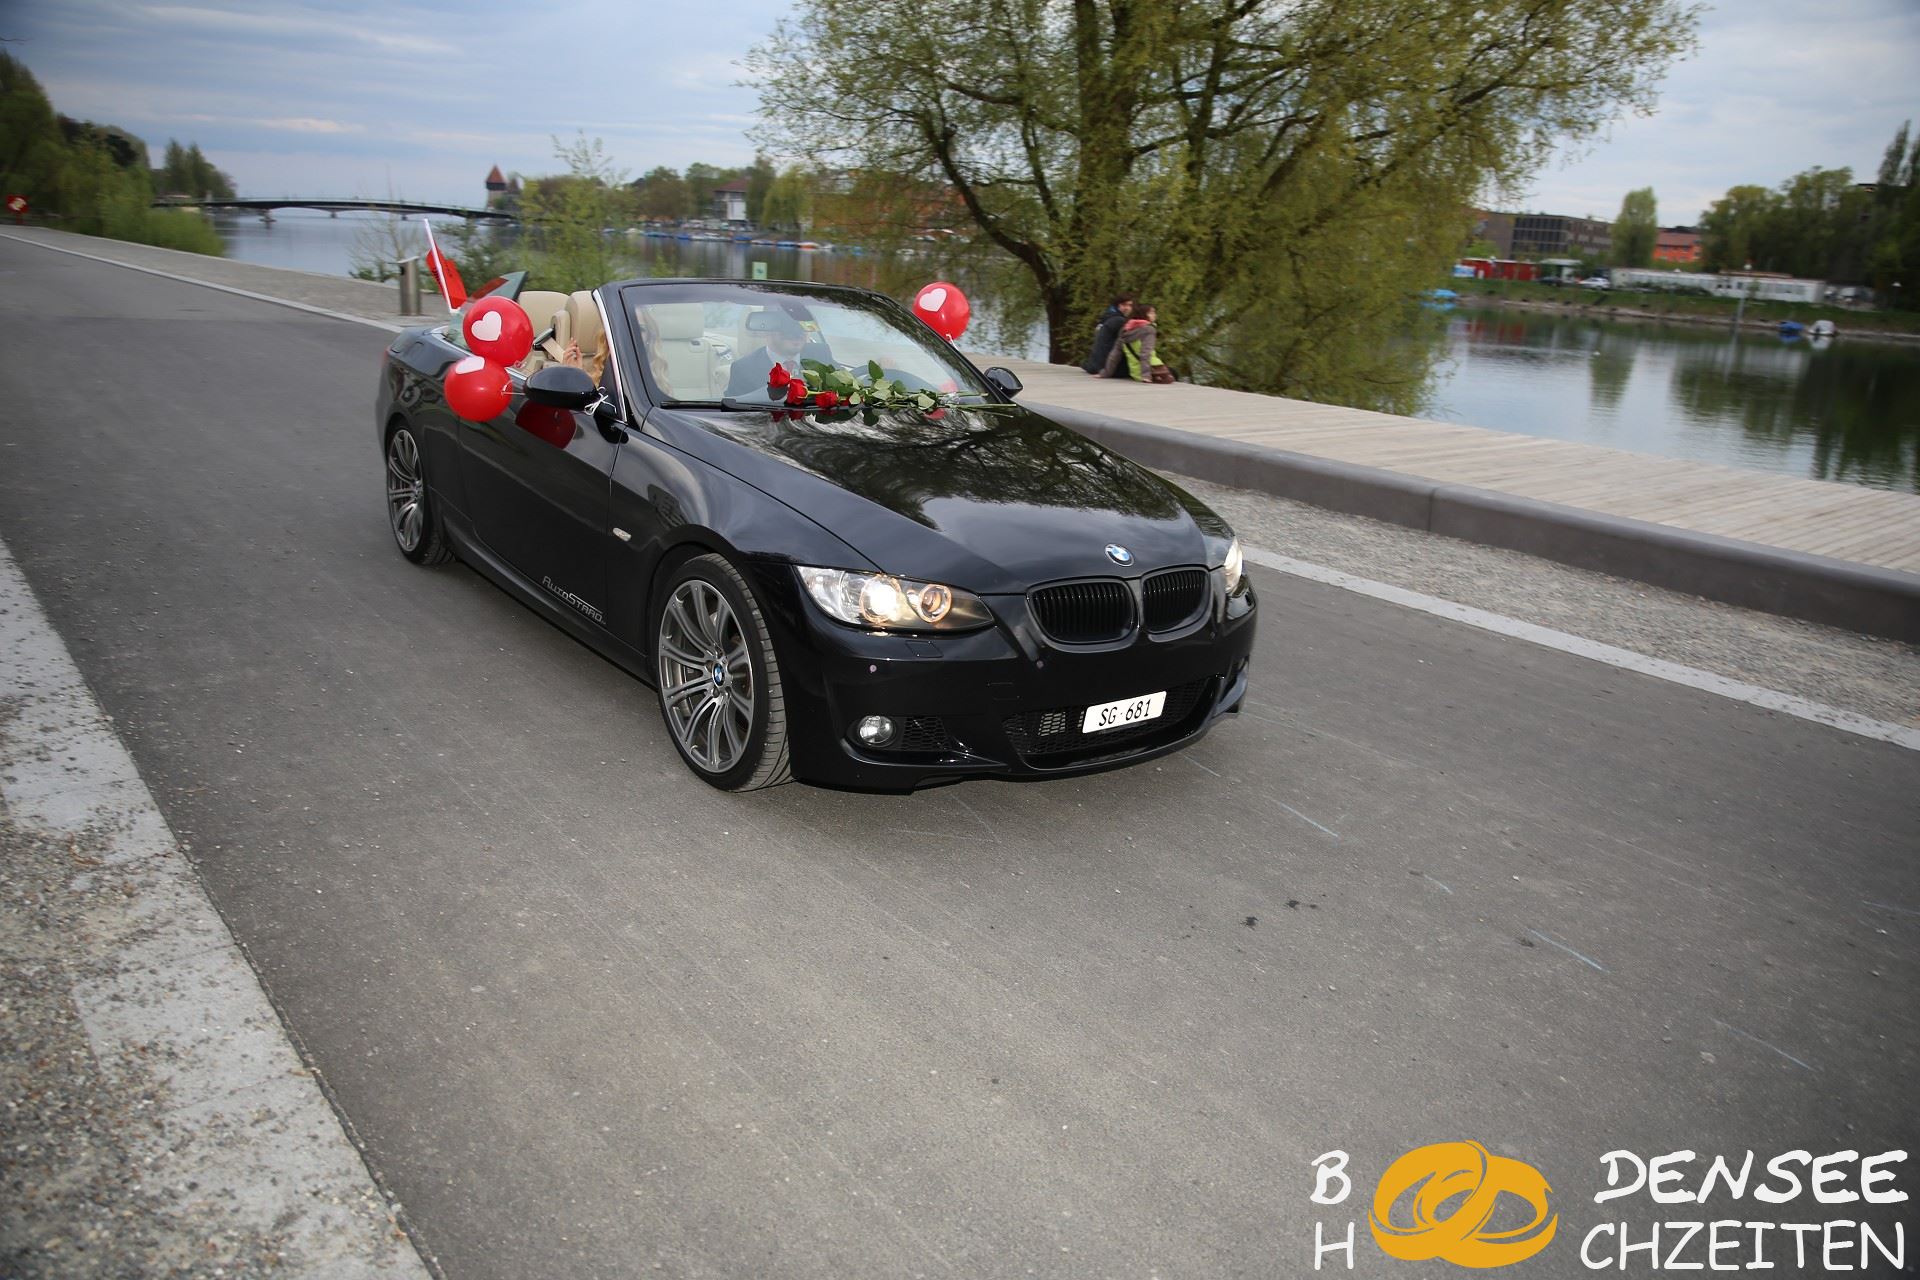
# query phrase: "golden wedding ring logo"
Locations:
[[1465, 1181]]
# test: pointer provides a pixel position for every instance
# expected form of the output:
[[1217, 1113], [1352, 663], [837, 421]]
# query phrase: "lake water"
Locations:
[[1846, 410]]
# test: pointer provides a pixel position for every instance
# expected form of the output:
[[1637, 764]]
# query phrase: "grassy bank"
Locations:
[[1659, 305], [166, 228]]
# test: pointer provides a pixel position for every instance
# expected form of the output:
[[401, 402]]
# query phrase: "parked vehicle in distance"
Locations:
[[871, 599], [1596, 282]]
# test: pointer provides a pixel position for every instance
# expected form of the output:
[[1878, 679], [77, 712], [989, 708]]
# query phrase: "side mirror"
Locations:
[[1004, 381], [563, 387]]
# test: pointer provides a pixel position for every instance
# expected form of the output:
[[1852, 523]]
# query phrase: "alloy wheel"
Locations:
[[406, 493], [706, 677]]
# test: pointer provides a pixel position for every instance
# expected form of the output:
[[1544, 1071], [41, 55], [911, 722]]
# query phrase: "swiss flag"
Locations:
[[445, 274]]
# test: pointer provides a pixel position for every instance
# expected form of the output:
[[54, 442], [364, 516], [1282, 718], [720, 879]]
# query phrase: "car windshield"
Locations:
[[717, 342]]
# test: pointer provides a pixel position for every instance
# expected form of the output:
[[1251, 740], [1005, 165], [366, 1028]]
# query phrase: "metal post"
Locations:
[[409, 286]]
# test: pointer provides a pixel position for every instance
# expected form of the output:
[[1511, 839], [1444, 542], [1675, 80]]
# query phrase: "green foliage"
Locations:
[[567, 217], [186, 172], [662, 193], [760, 176], [1821, 225], [788, 205], [1636, 230], [1280, 178], [87, 177]]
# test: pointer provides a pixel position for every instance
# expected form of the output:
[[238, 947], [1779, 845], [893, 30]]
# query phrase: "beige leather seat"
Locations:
[[686, 356], [578, 323], [541, 305]]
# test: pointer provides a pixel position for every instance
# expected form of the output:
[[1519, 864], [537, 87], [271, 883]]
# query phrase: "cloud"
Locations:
[[1776, 88], [231, 22]]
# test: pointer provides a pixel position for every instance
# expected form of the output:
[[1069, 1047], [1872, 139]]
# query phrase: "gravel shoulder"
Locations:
[[1865, 674]]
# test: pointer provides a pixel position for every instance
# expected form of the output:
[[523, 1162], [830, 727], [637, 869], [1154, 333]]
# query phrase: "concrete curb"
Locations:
[[1794, 584]]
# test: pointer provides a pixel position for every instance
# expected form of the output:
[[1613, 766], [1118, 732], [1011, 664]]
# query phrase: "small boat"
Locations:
[[765, 244], [806, 244], [743, 239], [1824, 329], [1791, 328], [786, 244]]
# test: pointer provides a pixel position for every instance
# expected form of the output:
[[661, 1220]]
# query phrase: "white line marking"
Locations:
[[1425, 876], [1764, 1045], [1888, 906], [1304, 818], [162, 989], [208, 284], [1580, 647], [1586, 960]]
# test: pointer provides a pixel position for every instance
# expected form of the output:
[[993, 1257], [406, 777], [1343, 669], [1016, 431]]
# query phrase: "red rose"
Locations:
[[826, 399], [796, 390], [778, 377]]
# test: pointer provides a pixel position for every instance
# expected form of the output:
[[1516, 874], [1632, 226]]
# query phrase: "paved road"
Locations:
[[592, 1019]]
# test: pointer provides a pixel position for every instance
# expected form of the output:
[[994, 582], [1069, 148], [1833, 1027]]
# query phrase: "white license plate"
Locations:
[[1118, 715]]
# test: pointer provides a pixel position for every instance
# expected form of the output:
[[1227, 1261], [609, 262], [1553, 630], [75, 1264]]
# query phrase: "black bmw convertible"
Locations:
[[878, 598]]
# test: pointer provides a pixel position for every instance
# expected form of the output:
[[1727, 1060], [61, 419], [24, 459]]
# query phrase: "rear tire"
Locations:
[[717, 678], [411, 514]]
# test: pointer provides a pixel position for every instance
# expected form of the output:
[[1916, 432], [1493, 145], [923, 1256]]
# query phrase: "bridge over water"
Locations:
[[333, 204]]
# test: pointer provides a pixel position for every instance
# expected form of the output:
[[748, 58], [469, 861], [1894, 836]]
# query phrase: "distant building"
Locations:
[[1553, 235], [1494, 228], [1498, 269], [730, 201], [1758, 286], [1677, 244], [496, 182]]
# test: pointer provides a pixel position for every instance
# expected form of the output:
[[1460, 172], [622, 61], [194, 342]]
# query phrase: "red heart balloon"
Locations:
[[944, 308], [478, 389], [498, 329]]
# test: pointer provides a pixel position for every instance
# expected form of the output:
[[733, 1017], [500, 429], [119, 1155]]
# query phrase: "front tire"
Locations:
[[718, 679], [410, 510]]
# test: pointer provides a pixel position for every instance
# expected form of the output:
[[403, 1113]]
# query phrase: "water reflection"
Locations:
[[1848, 411]]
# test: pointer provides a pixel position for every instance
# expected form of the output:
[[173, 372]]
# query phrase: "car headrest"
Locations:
[[678, 320], [579, 322], [540, 306]]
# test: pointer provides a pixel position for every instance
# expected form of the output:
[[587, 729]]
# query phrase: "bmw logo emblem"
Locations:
[[1119, 554]]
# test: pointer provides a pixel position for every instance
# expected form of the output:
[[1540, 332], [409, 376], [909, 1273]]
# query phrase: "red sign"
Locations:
[[16, 205]]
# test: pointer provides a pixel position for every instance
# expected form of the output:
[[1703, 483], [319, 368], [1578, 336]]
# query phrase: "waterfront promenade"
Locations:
[[1867, 526], [1627, 513]]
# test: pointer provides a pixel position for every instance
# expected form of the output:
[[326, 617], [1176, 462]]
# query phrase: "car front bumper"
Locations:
[[998, 702]]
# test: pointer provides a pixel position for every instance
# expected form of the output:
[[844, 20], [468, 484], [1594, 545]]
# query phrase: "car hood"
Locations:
[[990, 500]]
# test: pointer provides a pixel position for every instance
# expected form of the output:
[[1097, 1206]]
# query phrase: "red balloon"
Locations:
[[478, 389], [498, 329], [944, 308]]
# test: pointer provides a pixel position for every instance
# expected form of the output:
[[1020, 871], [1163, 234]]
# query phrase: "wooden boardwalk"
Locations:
[[1843, 521]]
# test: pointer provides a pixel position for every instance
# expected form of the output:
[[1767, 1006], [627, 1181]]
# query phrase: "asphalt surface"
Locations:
[[590, 1018]]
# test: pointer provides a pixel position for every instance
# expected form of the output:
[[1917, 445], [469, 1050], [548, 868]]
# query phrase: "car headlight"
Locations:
[[895, 604], [1234, 568]]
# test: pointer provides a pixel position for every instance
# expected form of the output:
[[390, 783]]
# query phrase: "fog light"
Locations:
[[876, 731]]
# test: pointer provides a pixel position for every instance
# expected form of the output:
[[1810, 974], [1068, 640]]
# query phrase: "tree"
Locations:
[[661, 194], [760, 176], [1195, 149], [1732, 227], [1636, 230], [701, 180], [567, 216], [789, 202], [32, 150]]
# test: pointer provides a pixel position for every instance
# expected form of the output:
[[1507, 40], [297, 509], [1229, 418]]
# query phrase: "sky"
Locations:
[[419, 99]]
